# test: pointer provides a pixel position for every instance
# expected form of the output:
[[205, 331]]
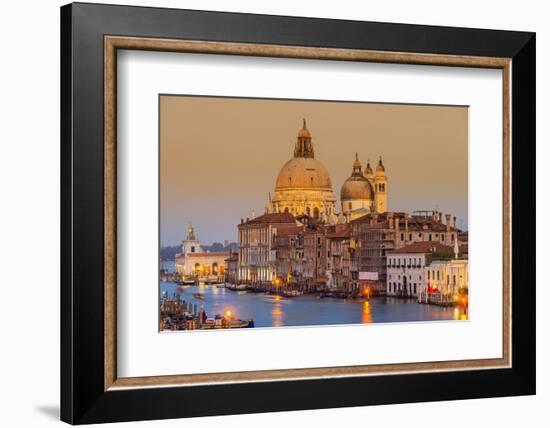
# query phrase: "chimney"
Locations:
[[406, 222], [454, 222], [396, 223]]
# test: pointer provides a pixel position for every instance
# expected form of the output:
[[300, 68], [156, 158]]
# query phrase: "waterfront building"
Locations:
[[194, 262], [256, 258], [313, 271], [338, 258], [303, 185], [447, 279], [406, 275], [232, 268], [285, 253], [374, 235]]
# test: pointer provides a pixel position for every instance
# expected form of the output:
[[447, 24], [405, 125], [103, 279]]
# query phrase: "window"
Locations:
[[410, 237], [402, 236], [318, 254], [349, 205], [430, 237], [414, 288]]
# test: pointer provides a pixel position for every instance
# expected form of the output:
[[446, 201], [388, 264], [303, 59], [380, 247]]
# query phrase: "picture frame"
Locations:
[[91, 391]]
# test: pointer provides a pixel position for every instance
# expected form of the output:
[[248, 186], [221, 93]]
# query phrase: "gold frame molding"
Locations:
[[113, 43]]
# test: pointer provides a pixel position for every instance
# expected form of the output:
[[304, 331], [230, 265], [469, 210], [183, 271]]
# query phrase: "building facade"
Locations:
[[232, 268], [338, 258], [256, 265], [375, 235], [447, 281], [406, 275], [195, 263]]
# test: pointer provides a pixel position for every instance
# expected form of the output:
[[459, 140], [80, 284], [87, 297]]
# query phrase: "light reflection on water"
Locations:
[[274, 311], [367, 318]]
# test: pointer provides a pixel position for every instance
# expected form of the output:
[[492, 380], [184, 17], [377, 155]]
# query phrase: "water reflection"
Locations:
[[460, 314], [367, 318], [277, 314], [274, 311]]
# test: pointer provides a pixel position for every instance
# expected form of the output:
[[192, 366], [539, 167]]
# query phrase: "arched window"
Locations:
[[286, 209], [308, 211], [316, 212]]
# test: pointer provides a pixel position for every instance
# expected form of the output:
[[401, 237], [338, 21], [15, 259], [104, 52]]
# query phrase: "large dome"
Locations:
[[303, 173]]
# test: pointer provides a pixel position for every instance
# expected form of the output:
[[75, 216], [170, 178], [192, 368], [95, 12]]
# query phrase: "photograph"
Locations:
[[290, 212]]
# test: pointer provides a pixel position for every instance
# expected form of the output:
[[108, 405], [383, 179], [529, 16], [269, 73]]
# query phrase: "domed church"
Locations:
[[303, 185], [365, 191]]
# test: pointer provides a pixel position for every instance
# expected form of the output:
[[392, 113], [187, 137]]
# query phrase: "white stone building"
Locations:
[[446, 281], [426, 270]]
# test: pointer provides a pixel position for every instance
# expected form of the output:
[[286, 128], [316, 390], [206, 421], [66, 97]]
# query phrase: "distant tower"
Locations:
[[380, 188], [190, 244], [369, 175]]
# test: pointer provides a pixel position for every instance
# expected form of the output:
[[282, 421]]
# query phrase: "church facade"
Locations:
[[195, 263]]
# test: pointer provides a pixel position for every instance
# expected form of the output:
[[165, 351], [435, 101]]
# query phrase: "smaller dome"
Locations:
[[356, 188]]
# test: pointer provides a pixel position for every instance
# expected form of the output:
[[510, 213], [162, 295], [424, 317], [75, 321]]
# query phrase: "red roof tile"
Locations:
[[422, 248], [272, 218]]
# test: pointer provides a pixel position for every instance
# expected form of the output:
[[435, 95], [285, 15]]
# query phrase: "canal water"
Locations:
[[274, 311]]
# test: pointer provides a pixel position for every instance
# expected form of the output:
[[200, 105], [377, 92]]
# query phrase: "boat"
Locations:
[[274, 297], [219, 322], [198, 296], [236, 286], [221, 285]]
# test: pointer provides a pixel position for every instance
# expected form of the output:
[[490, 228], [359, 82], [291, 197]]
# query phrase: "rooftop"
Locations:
[[272, 218], [422, 248]]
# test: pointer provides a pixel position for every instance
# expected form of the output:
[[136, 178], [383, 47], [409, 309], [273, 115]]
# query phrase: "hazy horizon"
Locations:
[[219, 157]]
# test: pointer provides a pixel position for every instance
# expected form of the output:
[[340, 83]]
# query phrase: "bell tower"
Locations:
[[190, 244], [380, 188]]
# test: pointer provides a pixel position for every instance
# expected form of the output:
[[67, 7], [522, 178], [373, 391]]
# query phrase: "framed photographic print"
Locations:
[[265, 213]]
